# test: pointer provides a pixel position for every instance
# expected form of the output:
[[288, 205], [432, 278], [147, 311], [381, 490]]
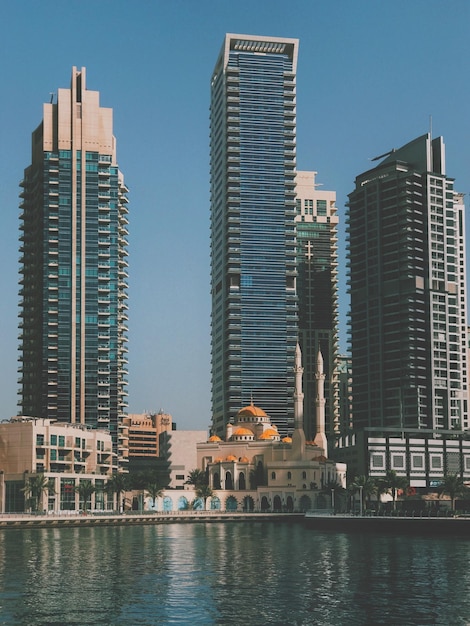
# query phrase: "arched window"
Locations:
[[273, 475], [304, 475], [289, 475], [241, 482], [228, 480]]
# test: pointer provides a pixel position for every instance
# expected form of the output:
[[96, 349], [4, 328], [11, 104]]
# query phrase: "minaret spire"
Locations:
[[298, 436], [320, 437], [298, 393]]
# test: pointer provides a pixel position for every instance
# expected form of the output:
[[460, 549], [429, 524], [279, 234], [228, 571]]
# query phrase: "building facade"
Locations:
[[408, 296], [423, 456], [73, 309], [64, 454], [144, 430], [317, 288], [253, 264]]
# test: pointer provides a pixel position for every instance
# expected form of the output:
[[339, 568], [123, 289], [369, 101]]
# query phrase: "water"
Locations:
[[230, 573]]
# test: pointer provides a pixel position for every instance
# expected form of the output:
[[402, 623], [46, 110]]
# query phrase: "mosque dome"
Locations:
[[214, 438], [269, 433], [242, 431], [251, 411], [244, 459], [287, 440], [231, 457]]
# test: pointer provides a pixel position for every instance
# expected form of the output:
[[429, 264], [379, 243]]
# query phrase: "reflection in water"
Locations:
[[229, 573]]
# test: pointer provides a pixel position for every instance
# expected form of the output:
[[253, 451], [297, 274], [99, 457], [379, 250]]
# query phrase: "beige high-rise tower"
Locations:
[[73, 266]]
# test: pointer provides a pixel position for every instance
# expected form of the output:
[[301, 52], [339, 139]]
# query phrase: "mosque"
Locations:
[[253, 469]]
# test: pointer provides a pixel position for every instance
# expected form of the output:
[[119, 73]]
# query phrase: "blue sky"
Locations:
[[370, 76]]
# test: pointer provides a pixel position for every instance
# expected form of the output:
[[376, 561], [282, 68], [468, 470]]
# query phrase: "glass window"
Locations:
[[53, 440]]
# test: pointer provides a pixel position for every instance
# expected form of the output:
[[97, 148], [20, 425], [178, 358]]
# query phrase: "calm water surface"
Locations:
[[230, 573]]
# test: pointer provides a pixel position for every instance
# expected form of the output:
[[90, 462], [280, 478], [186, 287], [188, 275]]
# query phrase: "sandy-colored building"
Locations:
[[64, 453], [144, 430]]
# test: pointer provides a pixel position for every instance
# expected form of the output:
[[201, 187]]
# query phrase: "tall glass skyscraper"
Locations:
[[317, 288], [73, 309], [253, 264], [408, 293]]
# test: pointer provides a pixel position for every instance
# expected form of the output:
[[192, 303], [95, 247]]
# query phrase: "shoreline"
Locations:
[[79, 520], [452, 526]]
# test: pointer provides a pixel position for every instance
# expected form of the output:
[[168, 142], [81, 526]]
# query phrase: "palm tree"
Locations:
[[154, 490], [118, 483], [204, 492], [35, 487], [85, 489], [393, 483], [333, 488], [366, 486], [197, 477], [453, 486]]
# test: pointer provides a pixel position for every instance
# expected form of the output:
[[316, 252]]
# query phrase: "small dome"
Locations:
[[218, 460], [231, 458], [287, 440], [214, 438], [244, 459], [251, 411], [269, 433], [242, 431]]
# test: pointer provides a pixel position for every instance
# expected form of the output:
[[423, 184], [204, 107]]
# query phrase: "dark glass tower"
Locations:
[[73, 308], [408, 295], [253, 265], [317, 288]]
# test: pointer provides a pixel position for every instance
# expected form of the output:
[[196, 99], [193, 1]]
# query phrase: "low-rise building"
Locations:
[[63, 453], [144, 430], [178, 451]]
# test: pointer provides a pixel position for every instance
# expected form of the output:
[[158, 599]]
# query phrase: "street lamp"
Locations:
[[361, 487], [333, 500]]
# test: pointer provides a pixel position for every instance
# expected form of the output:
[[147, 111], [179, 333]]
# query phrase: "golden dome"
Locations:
[[214, 438], [243, 431], [218, 460], [269, 433], [231, 458], [287, 440], [244, 459], [251, 411]]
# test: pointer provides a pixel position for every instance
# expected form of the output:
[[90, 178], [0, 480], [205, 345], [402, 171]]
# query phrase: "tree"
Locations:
[[85, 489], [35, 487], [393, 483], [197, 477], [204, 492], [453, 486], [154, 491], [118, 483], [366, 486], [333, 489]]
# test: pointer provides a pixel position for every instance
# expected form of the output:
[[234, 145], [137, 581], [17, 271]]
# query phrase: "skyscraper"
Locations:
[[317, 287], [408, 301], [73, 266], [253, 264]]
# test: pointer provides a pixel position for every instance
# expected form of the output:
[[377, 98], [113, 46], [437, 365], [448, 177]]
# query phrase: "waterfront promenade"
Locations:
[[76, 519], [412, 524]]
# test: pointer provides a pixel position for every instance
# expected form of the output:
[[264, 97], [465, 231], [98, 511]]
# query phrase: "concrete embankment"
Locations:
[[451, 526], [131, 519]]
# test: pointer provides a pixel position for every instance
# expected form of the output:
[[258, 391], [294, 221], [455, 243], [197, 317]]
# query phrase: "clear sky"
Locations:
[[371, 75]]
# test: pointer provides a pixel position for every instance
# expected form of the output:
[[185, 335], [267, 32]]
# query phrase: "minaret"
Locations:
[[320, 437], [298, 436], [298, 393]]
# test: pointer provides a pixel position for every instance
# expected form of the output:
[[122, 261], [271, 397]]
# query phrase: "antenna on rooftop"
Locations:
[[52, 94], [430, 126]]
